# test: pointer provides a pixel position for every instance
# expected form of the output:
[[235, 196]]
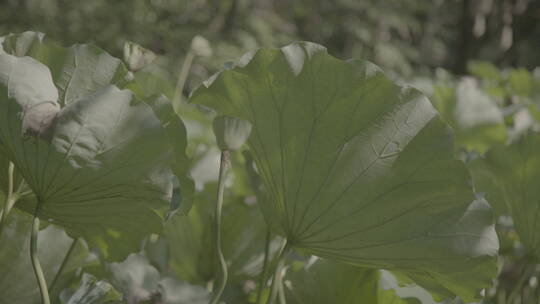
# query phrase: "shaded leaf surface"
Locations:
[[510, 177], [83, 69], [324, 281], [357, 168], [17, 281], [190, 240], [99, 166]]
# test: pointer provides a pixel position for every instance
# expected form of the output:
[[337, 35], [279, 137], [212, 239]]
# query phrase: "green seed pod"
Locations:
[[231, 132]]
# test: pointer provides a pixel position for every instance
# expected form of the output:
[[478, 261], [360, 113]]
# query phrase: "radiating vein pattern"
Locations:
[[98, 159], [356, 167]]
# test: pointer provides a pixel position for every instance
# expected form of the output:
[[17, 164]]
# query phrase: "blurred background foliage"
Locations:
[[477, 59], [407, 37]]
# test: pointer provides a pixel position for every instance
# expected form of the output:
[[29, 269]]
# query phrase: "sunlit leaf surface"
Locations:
[[357, 168], [98, 160]]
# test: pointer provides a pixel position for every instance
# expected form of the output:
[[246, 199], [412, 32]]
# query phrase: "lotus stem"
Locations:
[[10, 198], [38, 271], [262, 278], [276, 280], [182, 77], [64, 263], [527, 271], [281, 291], [224, 164]]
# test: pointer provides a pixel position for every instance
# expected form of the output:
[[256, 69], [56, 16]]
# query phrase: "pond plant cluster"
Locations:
[[291, 176]]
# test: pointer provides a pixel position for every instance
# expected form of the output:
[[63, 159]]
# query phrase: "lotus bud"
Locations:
[[129, 76], [231, 132], [137, 57], [201, 47]]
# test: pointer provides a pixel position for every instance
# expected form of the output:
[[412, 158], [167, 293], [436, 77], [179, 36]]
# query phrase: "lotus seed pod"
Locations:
[[231, 132]]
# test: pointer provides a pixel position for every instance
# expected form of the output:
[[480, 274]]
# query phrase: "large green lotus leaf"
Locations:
[[357, 168], [323, 281], [191, 240], [475, 118], [81, 70], [17, 281], [514, 172], [99, 166]]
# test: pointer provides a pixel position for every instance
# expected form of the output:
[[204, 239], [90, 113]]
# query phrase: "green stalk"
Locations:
[[281, 292], [276, 280], [64, 263], [182, 77], [262, 278], [10, 198], [35, 260], [219, 206], [525, 274]]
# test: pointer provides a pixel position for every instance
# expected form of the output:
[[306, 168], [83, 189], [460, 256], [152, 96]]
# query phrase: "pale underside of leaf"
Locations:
[[105, 168], [82, 70]]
